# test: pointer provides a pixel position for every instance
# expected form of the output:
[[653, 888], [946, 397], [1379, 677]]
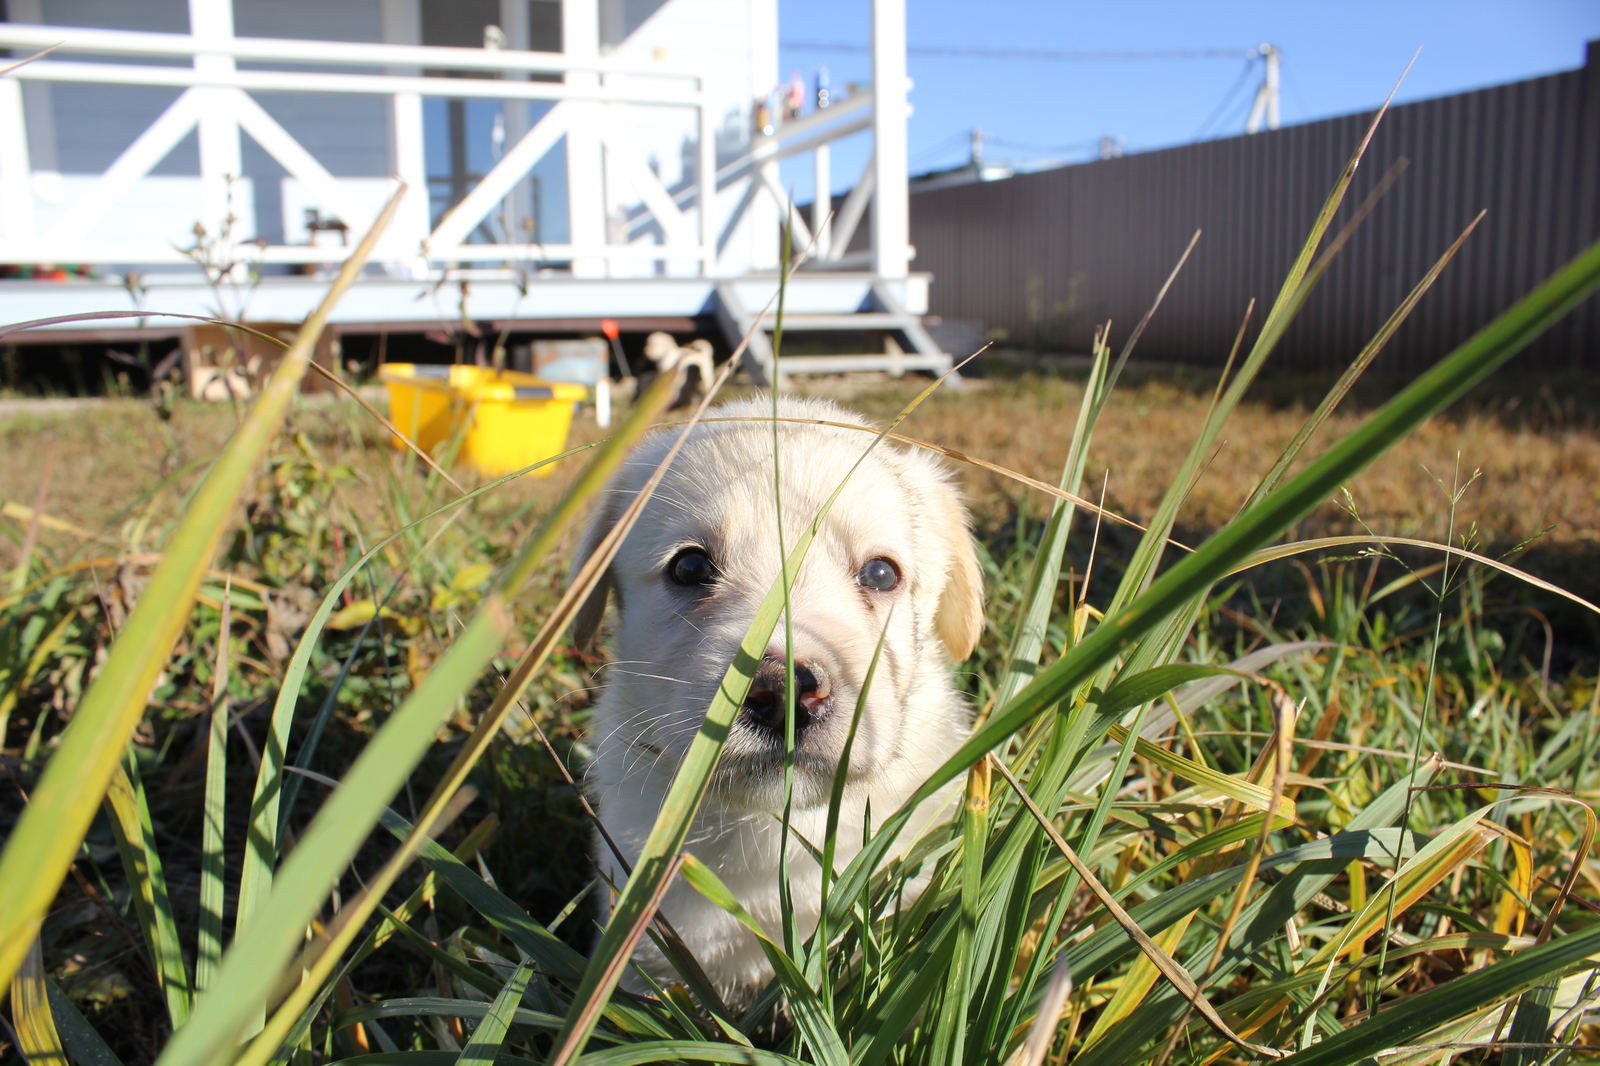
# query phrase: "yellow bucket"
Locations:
[[507, 420]]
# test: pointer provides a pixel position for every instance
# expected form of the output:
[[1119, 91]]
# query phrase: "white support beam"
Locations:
[[855, 205], [265, 131], [517, 118], [16, 179], [458, 224], [891, 211], [822, 200], [761, 218], [221, 166], [655, 196], [705, 186], [800, 233], [402, 26], [136, 160], [752, 189], [771, 150], [586, 194]]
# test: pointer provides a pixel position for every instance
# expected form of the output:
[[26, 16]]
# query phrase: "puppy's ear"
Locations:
[[586, 621], [960, 613]]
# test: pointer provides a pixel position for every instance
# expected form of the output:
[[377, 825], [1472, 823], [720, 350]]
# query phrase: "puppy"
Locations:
[[893, 557]]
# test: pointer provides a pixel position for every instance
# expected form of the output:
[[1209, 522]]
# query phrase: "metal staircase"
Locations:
[[908, 346]]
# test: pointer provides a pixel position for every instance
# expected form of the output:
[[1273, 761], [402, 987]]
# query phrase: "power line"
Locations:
[[1028, 53]]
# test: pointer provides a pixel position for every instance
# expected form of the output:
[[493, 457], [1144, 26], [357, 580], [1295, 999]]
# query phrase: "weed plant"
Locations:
[[1188, 833]]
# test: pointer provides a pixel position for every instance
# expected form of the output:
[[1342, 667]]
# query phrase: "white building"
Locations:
[[566, 161]]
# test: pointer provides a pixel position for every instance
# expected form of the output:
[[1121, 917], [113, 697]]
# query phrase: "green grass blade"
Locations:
[[684, 1051], [1027, 644], [532, 939], [136, 840], [811, 1016], [1531, 1025], [438, 1007], [84, 1046], [261, 851], [1362, 360], [1404, 1022], [211, 842], [251, 966], [37, 1036], [1431, 393], [491, 1032], [249, 969], [48, 833], [421, 1058]]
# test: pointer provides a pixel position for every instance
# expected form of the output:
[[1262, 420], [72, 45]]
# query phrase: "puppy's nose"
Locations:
[[764, 705]]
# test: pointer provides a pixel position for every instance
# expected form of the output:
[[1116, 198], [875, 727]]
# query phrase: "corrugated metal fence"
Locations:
[[1046, 256]]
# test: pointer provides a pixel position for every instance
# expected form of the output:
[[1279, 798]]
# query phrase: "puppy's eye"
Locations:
[[692, 566], [878, 574]]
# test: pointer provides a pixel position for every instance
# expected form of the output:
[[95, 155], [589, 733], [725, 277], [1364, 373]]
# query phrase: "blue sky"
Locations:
[[1336, 59]]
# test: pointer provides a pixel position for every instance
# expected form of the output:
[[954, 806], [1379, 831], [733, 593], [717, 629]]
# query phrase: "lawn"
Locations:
[[1479, 696]]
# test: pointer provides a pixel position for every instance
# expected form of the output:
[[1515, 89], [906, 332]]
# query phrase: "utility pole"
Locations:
[[977, 150], [1267, 96]]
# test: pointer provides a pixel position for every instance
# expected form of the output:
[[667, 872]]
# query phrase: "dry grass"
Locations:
[[1530, 480]]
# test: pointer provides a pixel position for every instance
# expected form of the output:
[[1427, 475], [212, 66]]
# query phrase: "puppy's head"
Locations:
[[892, 560]]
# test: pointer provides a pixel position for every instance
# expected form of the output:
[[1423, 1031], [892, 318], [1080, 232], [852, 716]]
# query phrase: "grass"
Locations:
[[1537, 479], [1204, 816]]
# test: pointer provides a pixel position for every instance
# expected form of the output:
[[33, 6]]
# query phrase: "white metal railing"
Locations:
[[216, 100]]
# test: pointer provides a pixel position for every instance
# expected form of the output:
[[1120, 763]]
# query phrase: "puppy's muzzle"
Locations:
[[764, 706]]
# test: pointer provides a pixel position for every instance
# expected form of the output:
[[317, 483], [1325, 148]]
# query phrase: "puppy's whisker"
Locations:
[[655, 677]]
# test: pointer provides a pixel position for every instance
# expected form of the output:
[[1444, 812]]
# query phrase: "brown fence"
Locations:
[[1044, 257]]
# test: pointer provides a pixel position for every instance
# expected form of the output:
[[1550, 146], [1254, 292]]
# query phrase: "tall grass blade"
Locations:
[[1456, 998], [212, 892], [1363, 359], [1431, 393], [1300, 547], [84, 1046], [1170, 969], [490, 1034], [136, 841], [37, 1037], [261, 846], [259, 951], [684, 1051], [48, 833], [811, 1016]]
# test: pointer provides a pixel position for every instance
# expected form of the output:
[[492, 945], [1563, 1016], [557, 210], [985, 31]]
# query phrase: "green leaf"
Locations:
[[532, 939], [84, 1046], [1149, 685]]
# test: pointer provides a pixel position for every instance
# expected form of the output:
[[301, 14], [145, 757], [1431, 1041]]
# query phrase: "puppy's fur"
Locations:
[[674, 642]]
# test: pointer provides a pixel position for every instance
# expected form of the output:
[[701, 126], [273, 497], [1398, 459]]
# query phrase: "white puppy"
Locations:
[[893, 551]]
